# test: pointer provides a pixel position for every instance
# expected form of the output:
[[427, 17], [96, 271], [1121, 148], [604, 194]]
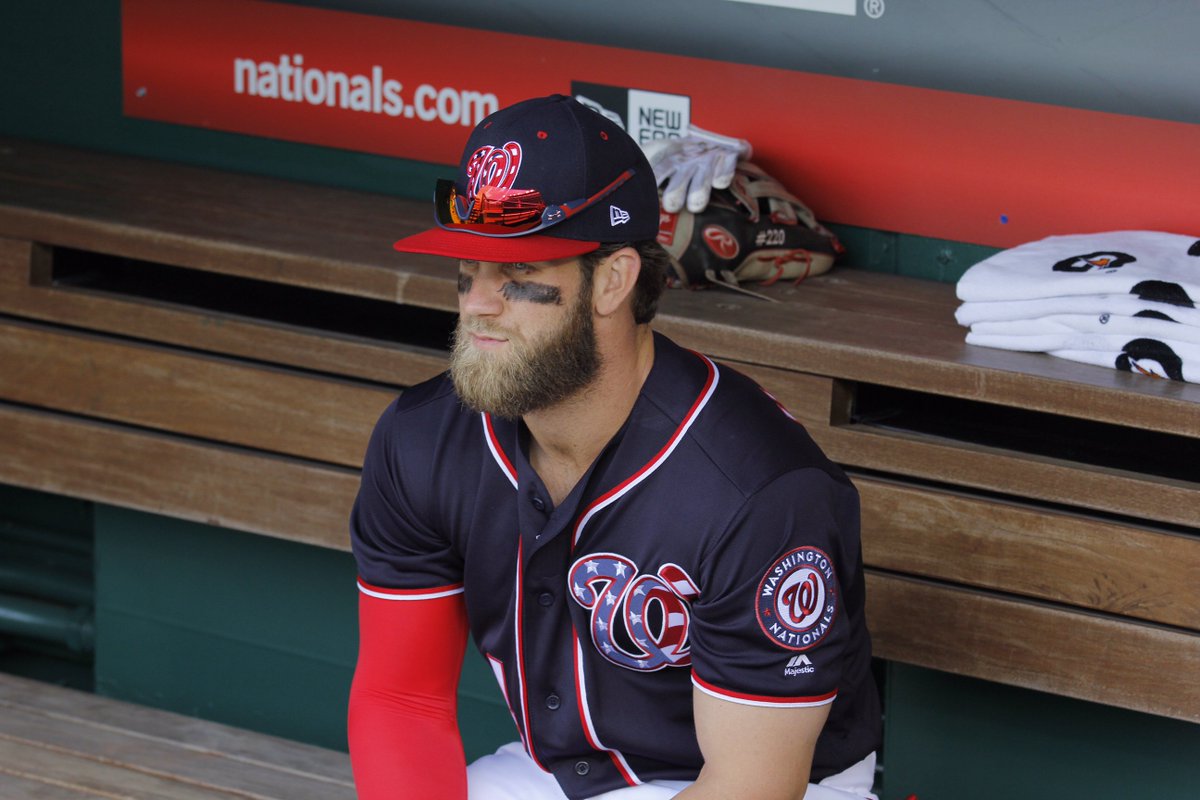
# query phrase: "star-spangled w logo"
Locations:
[[638, 621]]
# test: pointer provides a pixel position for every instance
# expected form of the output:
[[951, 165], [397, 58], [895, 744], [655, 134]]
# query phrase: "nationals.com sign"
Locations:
[[308, 75], [896, 158], [364, 83]]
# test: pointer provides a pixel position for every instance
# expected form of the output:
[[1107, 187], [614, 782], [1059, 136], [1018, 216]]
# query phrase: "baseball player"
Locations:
[[661, 568]]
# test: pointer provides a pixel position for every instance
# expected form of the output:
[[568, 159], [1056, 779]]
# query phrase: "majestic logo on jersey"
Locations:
[[798, 599], [799, 665], [1104, 259], [493, 166], [638, 621]]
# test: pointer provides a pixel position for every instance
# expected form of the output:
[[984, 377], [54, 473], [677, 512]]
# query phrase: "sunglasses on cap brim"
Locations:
[[494, 211]]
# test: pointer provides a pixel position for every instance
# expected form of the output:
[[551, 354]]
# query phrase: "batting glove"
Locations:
[[689, 168]]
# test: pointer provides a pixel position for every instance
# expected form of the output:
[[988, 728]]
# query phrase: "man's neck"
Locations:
[[567, 437]]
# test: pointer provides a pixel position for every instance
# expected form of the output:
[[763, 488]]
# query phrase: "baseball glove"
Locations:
[[753, 231]]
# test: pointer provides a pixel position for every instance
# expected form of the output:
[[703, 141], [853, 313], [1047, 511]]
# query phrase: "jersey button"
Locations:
[[553, 702], [538, 503], [545, 599], [582, 768]]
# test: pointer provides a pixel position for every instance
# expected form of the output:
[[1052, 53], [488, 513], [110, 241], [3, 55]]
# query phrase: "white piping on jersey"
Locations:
[[522, 696], [623, 488], [413, 595], [809, 702], [489, 436], [589, 729], [498, 671], [614, 494]]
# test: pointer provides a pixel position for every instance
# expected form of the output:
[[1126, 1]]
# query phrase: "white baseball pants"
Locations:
[[510, 774]]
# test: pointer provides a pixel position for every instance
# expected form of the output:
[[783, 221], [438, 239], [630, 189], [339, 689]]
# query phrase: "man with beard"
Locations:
[[661, 568]]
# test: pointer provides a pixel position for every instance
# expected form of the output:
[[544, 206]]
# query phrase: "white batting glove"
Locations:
[[694, 165]]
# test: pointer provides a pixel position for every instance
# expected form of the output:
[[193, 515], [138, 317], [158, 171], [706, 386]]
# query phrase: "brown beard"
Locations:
[[534, 374]]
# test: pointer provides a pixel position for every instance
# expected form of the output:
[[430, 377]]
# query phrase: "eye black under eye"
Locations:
[[532, 292]]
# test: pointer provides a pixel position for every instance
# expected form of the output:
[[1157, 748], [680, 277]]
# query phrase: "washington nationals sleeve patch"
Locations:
[[797, 599]]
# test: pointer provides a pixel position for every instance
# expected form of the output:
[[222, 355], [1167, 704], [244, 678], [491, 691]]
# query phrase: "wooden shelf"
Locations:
[[1048, 570]]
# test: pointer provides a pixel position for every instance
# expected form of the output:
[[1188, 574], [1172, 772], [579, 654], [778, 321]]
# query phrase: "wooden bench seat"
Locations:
[[1035, 527], [62, 744]]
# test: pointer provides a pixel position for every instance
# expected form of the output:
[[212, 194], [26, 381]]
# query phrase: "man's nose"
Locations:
[[479, 291]]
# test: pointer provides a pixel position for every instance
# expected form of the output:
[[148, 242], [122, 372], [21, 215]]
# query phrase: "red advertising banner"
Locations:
[[932, 163]]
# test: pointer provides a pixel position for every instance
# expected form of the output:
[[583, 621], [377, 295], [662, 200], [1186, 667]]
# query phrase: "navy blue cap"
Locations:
[[562, 152]]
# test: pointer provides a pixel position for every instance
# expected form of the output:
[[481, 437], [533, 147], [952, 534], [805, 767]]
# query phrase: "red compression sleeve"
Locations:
[[403, 727]]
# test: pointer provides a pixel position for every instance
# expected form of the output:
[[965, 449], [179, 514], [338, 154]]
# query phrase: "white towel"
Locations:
[[1151, 264], [1129, 327], [1126, 305], [1166, 358]]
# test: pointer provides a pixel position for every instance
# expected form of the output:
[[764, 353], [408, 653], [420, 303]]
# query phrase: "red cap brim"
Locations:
[[470, 246]]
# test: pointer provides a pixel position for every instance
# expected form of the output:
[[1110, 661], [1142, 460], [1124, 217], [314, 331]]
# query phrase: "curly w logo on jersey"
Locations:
[[637, 621]]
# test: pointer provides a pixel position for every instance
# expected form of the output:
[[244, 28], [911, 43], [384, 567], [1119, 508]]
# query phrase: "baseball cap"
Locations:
[[543, 179]]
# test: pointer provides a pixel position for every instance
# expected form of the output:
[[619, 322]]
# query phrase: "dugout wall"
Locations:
[[259, 632]]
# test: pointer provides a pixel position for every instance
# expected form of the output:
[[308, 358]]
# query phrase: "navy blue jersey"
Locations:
[[711, 544]]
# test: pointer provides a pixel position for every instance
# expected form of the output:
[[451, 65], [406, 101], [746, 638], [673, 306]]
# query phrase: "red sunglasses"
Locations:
[[507, 212]]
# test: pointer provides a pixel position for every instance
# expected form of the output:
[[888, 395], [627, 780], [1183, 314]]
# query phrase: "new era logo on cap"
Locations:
[[616, 216]]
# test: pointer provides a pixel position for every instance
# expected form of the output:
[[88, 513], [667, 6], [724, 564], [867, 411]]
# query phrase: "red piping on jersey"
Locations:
[[519, 624], [710, 385], [758, 699], [489, 436], [498, 671], [606, 499], [585, 716], [409, 594]]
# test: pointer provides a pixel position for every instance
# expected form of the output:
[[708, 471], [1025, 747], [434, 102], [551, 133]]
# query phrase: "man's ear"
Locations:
[[614, 280]]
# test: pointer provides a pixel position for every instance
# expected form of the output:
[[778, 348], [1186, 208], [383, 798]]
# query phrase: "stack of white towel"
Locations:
[[1123, 299]]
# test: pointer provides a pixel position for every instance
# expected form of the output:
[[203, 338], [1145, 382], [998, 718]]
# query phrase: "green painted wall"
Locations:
[[260, 633], [46, 587], [954, 738], [243, 629]]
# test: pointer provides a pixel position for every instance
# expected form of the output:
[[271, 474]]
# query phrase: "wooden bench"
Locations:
[[61, 743], [190, 343]]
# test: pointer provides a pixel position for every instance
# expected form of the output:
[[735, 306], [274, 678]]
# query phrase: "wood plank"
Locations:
[[70, 706], [1021, 549], [117, 761], [64, 768], [809, 398], [1036, 646], [322, 351], [323, 419], [213, 484], [1021, 475], [303, 235], [876, 295], [276, 230], [920, 353], [21, 785]]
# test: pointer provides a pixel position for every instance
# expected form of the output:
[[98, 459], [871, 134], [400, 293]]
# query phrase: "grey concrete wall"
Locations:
[[1138, 57]]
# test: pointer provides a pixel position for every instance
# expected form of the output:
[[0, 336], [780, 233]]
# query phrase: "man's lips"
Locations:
[[487, 340]]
